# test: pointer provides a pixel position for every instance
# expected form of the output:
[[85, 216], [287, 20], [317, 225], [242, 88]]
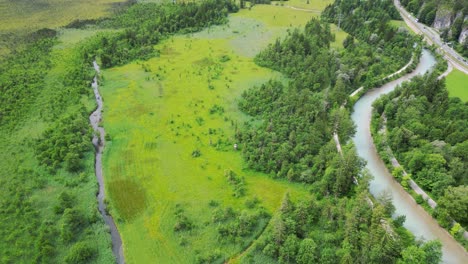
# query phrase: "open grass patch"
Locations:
[[456, 84], [28, 16], [340, 36], [313, 5], [177, 145]]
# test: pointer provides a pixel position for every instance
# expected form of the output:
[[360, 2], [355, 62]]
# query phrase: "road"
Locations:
[[432, 37]]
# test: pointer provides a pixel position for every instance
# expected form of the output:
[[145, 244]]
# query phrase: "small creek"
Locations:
[[99, 142], [418, 221]]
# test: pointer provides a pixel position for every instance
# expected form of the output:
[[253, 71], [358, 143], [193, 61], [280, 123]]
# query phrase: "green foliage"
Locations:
[[73, 222], [237, 182], [66, 142], [183, 223], [146, 24], [235, 226], [368, 22], [196, 153], [430, 252], [346, 230], [65, 201], [80, 252], [426, 128], [455, 203], [21, 78]]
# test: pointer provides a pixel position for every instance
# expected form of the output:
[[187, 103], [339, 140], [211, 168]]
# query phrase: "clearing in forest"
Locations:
[[456, 84]]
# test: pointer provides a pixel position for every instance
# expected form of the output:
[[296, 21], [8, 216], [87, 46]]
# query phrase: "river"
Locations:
[[418, 221], [98, 142]]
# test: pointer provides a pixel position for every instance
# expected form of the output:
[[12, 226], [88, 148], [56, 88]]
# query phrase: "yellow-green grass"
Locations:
[[277, 16], [340, 36], [157, 113], [457, 86], [152, 120], [401, 23], [316, 5], [33, 15]]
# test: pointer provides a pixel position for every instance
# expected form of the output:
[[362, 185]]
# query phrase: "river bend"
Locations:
[[418, 221]]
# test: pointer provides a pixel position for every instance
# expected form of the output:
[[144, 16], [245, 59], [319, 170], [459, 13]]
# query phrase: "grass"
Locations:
[[456, 84], [277, 16], [316, 5], [401, 23], [159, 112], [21, 17], [156, 119], [340, 36], [33, 15]]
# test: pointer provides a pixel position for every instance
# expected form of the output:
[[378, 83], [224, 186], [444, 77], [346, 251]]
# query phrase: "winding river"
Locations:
[[98, 142], [418, 221]]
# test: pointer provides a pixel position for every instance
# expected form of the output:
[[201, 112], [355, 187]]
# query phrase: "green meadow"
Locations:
[[171, 124], [23, 17], [457, 84], [33, 15]]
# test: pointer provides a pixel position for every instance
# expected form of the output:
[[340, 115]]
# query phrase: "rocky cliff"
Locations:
[[450, 17], [464, 34]]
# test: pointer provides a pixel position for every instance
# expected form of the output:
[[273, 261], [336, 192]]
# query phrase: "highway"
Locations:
[[432, 37]]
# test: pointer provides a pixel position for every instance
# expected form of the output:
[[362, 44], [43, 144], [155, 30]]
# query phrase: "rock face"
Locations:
[[464, 34], [443, 19]]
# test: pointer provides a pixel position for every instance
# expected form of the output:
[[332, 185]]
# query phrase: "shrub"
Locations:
[[80, 252]]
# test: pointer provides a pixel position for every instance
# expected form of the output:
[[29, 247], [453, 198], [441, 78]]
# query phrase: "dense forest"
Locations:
[[291, 138], [428, 134], [321, 80]]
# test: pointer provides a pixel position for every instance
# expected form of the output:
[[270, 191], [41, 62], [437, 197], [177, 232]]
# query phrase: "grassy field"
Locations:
[[171, 123], [21, 17], [33, 15], [456, 84], [157, 119], [316, 5]]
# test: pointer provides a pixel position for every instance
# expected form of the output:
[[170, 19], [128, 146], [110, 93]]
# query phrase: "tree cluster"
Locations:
[[66, 142], [428, 134], [340, 230]]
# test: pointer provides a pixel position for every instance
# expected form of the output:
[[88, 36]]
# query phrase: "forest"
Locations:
[[292, 140], [428, 134], [48, 210]]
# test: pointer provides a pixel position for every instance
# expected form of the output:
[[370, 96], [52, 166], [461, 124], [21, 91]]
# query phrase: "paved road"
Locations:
[[432, 37]]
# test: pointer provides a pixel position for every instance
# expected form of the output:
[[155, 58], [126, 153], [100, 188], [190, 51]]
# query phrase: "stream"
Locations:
[[98, 142], [418, 221]]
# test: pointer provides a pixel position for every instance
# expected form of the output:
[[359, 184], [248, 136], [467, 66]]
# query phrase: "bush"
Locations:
[[419, 199], [80, 252]]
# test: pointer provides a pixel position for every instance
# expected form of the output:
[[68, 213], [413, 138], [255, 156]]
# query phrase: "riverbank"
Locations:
[[418, 221], [99, 143]]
